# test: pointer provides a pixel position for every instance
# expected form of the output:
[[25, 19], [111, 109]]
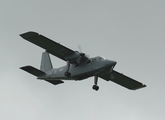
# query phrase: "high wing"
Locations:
[[123, 80], [52, 47], [47, 44]]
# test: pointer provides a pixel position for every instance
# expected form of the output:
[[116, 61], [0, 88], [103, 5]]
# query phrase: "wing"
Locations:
[[123, 80], [50, 46]]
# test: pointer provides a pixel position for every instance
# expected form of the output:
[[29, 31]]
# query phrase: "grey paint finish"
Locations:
[[78, 66], [130, 32], [80, 72], [46, 63]]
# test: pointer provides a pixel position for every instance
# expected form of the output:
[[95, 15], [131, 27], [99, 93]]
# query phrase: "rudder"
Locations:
[[46, 64]]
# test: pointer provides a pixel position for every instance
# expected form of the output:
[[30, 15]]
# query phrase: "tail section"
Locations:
[[32, 71], [46, 64]]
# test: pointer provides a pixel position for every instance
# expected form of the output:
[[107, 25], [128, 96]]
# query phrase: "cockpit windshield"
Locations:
[[101, 58], [98, 58]]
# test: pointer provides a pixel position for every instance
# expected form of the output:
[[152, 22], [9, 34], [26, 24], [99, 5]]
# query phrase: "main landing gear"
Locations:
[[95, 87], [67, 73]]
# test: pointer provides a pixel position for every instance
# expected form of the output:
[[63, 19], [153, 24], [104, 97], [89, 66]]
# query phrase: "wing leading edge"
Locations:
[[124, 81]]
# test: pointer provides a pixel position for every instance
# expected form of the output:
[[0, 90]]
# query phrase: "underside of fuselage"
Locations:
[[76, 77], [77, 73]]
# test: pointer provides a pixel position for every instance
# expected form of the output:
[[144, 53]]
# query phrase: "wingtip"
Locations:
[[143, 85], [28, 34]]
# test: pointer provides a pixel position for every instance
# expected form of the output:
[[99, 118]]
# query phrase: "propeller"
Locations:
[[81, 53], [79, 47]]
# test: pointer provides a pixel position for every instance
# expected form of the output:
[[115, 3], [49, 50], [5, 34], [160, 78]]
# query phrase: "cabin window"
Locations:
[[89, 61], [94, 60]]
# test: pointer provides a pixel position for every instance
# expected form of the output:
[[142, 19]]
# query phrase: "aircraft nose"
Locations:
[[112, 63]]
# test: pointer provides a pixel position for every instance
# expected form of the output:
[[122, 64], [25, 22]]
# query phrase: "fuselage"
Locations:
[[89, 68]]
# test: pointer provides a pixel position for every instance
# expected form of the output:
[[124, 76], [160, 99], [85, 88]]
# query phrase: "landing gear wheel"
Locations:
[[68, 74], [95, 87]]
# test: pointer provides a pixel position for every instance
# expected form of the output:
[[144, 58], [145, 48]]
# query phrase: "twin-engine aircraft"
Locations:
[[78, 65]]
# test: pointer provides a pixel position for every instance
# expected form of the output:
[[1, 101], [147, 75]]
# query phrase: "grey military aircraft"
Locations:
[[78, 65]]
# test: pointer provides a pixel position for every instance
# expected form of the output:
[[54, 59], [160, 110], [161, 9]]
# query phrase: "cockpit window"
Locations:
[[89, 61], [100, 58]]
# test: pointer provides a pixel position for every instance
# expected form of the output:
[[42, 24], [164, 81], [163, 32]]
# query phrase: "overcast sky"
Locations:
[[131, 32]]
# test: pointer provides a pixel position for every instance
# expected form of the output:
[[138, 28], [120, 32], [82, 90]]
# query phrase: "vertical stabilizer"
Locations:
[[46, 64]]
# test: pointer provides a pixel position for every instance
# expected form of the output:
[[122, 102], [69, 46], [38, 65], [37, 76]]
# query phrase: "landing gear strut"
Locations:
[[95, 87], [67, 73]]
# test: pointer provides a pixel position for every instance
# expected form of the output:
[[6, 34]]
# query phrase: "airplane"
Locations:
[[78, 65]]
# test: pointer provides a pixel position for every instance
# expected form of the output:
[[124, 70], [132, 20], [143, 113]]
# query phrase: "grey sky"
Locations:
[[129, 32]]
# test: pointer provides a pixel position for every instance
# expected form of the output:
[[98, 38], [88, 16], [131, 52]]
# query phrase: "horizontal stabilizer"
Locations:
[[55, 82], [32, 70]]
